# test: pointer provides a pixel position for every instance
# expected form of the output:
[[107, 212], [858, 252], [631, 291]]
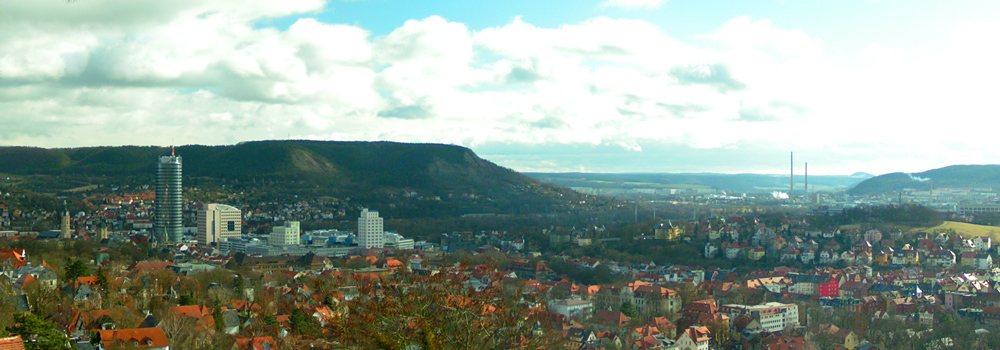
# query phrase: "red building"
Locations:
[[830, 289]]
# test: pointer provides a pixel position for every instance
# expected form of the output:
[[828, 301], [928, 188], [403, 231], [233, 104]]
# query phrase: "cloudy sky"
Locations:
[[555, 85]]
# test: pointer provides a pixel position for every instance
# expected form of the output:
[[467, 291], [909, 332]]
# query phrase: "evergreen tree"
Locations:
[[76, 269], [302, 324], [220, 322], [629, 310], [38, 334]]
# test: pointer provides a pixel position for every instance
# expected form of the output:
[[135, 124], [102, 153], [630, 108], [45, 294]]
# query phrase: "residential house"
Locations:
[[711, 250], [778, 342], [854, 289], [982, 261], [776, 243], [862, 246], [610, 319], [789, 254], [578, 337], [571, 307], [667, 328], [805, 284], [771, 317], [668, 231], [255, 343], [139, 338], [733, 250], [701, 312], [883, 256], [842, 337], [969, 259], [528, 270], [807, 256], [941, 258], [12, 343], [647, 297], [714, 234], [983, 243], [830, 289], [863, 258], [873, 235], [828, 256], [847, 257], [830, 233], [694, 338]]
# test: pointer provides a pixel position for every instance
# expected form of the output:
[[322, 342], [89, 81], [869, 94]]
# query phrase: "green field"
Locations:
[[964, 229]]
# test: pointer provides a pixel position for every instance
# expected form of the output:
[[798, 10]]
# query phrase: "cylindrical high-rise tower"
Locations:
[[168, 199], [64, 227]]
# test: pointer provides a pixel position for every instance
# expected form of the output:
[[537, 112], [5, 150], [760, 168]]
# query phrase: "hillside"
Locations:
[[726, 182], [955, 176], [450, 179], [965, 229]]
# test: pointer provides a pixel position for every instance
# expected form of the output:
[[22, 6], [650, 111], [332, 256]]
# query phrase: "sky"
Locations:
[[726, 86]]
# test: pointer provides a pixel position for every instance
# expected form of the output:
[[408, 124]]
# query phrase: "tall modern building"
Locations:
[[370, 233], [218, 221], [167, 227], [287, 234]]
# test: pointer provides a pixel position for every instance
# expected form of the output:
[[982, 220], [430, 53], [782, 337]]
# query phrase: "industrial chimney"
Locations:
[[791, 177]]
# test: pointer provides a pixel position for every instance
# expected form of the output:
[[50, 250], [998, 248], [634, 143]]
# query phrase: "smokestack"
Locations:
[[791, 177], [807, 184]]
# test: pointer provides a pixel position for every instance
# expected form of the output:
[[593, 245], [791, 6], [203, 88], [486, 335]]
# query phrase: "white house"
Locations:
[[694, 338], [571, 307]]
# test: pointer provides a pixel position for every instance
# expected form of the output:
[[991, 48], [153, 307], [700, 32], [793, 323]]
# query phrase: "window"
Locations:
[[232, 226]]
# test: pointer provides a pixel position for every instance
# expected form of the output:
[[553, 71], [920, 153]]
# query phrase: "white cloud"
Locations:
[[632, 3], [742, 32], [882, 54], [203, 72]]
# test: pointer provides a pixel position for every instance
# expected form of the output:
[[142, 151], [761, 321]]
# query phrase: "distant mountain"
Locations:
[[951, 176], [749, 183], [379, 173], [862, 175]]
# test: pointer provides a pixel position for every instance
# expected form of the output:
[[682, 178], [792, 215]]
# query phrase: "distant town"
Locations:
[[150, 267]]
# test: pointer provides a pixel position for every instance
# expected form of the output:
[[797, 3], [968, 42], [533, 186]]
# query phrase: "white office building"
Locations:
[[217, 221], [287, 234], [370, 233], [773, 316], [397, 241]]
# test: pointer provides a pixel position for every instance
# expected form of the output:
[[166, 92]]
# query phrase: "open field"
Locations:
[[964, 229], [84, 188]]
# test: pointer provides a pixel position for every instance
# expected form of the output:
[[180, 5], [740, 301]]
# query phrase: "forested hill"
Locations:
[[358, 170], [955, 176]]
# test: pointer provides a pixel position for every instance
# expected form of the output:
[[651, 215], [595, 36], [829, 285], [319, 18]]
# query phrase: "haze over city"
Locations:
[[593, 86]]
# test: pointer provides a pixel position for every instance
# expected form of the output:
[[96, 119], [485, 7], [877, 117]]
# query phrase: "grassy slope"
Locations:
[[964, 229]]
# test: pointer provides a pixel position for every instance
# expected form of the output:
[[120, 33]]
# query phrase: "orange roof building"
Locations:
[[12, 343], [141, 338]]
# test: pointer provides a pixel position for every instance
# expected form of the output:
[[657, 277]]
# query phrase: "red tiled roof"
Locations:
[[12, 343], [139, 337], [257, 343], [611, 318]]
